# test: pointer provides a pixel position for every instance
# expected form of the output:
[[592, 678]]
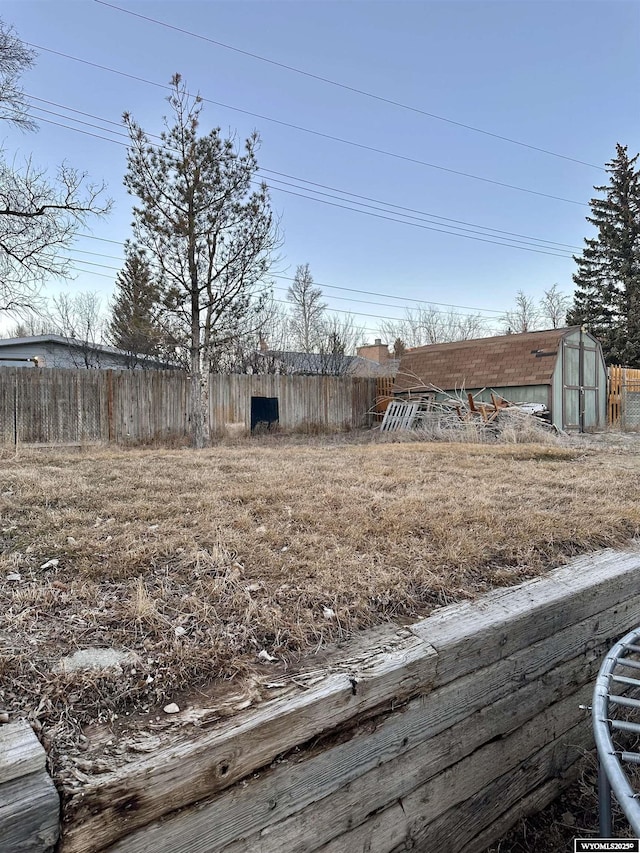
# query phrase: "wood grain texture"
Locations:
[[558, 727], [29, 814], [21, 753], [473, 634], [118, 803], [485, 817], [387, 783], [543, 639], [293, 806]]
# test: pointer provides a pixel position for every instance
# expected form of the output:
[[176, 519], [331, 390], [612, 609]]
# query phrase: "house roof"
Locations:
[[505, 361], [314, 363], [77, 343], [57, 339]]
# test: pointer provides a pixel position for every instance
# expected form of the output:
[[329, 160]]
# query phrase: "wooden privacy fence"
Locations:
[[74, 407], [67, 407], [384, 395], [623, 398], [304, 402]]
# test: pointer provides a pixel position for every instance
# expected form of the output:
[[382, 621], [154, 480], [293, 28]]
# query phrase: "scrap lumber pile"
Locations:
[[425, 413]]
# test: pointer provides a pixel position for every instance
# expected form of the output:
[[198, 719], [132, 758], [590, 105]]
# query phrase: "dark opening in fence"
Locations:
[[75, 407]]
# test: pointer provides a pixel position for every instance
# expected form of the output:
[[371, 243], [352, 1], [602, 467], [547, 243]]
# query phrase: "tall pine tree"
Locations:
[[135, 312], [607, 296]]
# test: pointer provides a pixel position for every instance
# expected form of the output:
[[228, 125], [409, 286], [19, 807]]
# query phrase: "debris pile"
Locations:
[[434, 414]]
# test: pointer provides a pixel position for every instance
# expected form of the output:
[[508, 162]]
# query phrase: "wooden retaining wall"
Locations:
[[74, 407], [29, 805], [438, 737]]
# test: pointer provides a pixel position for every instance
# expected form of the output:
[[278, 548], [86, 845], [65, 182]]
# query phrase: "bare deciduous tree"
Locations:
[[341, 336], [525, 315], [38, 217], [429, 325], [307, 311], [554, 306], [80, 318]]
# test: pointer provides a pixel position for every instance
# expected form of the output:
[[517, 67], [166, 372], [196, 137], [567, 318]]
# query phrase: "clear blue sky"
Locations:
[[563, 76]]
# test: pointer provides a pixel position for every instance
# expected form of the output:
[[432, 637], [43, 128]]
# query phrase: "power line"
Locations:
[[512, 241], [283, 289], [421, 212], [305, 180], [513, 244], [345, 86], [391, 296], [280, 301], [85, 132], [423, 227], [321, 134], [319, 284]]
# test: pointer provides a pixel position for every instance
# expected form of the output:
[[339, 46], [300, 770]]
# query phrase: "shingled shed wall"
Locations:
[[562, 368]]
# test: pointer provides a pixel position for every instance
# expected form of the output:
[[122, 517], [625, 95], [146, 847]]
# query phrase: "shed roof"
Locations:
[[528, 358]]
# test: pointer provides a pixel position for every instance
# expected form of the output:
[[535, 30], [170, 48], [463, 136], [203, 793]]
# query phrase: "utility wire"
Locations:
[[321, 134], [513, 244], [279, 301], [511, 240], [318, 283], [274, 287], [421, 212], [345, 86], [262, 169]]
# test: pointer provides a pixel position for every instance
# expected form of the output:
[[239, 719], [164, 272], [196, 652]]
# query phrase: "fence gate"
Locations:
[[623, 404]]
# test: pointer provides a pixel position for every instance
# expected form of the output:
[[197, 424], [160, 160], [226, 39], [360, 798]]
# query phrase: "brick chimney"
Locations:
[[263, 345], [375, 352]]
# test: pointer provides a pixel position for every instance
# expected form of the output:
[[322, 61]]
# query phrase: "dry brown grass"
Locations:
[[249, 546]]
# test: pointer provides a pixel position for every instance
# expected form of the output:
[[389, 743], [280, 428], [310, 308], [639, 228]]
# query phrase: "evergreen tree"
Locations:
[[607, 297], [210, 236], [134, 325]]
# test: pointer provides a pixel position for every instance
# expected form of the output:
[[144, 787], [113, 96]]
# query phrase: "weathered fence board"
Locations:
[[304, 402], [623, 397], [56, 406]]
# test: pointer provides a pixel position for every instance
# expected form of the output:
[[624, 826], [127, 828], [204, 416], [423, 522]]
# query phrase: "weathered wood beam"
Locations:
[[119, 802], [297, 806], [472, 634], [29, 802], [409, 818], [20, 751], [485, 650], [349, 806]]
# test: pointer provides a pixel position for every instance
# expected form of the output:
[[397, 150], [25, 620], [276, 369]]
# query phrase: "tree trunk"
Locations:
[[196, 407]]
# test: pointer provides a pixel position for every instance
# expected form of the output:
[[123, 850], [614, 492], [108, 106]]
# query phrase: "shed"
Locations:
[[562, 368]]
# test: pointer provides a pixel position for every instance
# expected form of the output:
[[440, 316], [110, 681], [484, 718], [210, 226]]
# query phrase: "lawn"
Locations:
[[205, 565]]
